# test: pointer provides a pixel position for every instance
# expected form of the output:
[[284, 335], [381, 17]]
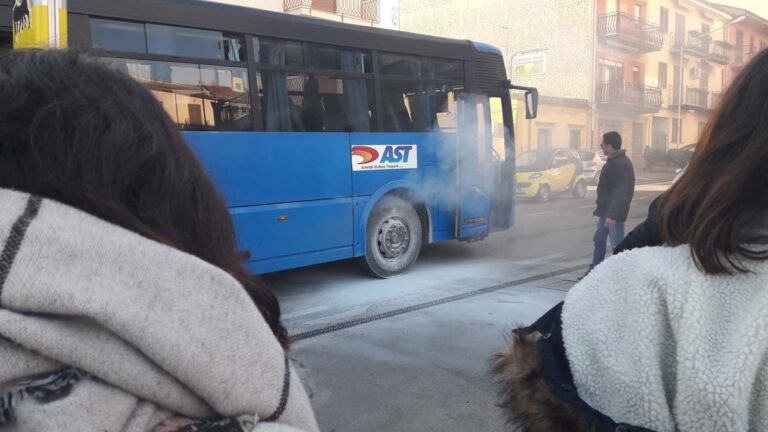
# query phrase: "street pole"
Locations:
[[680, 97]]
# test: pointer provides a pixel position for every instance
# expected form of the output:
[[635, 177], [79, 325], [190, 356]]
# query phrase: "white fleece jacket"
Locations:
[[142, 332], [654, 342]]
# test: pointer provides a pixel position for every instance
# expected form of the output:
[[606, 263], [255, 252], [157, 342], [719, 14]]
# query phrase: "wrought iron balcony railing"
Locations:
[[367, 10], [629, 93], [694, 98], [631, 32], [692, 43]]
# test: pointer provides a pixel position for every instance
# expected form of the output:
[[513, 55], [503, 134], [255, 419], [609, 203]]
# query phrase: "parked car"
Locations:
[[672, 158], [542, 173], [593, 161], [682, 156]]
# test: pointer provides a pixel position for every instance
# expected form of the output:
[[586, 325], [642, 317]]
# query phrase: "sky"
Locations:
[[759, 7]]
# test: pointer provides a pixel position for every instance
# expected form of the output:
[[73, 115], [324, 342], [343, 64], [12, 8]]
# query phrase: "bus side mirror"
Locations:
[[531, 104]]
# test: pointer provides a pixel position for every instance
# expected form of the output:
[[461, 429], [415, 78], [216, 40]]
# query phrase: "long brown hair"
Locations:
[[77, 131], [725, 186]]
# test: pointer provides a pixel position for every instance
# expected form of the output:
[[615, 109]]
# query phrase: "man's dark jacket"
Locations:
[[616, 187]]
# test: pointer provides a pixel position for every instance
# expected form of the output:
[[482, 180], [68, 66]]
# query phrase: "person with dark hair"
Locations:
[[123, 303], [615, 189], [673, 337]]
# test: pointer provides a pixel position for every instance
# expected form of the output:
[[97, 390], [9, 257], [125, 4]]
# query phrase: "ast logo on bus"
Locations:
[[384, 157]]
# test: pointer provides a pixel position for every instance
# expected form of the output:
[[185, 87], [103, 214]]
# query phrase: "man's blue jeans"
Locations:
[[602, 233]]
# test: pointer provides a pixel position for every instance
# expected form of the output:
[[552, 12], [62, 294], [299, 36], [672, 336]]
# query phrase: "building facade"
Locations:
[[653, 70], [360, 12], [546, 44]]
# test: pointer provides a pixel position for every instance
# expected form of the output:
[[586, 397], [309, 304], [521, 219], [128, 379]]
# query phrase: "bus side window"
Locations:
[[294, 102], [196, 97]]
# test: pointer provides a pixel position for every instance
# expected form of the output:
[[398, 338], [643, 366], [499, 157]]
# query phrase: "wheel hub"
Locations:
[[393, 238]]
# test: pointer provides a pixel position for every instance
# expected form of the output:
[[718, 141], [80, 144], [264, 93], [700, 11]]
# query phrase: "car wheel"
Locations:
[[580, 189], [392, 237], [544, 193]]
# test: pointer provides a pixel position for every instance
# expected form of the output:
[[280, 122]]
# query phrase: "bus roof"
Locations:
[[239, 19]]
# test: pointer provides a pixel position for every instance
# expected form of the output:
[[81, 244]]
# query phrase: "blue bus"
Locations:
[[328, 141]]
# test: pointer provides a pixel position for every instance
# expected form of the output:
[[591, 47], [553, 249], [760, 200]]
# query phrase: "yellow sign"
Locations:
[[39, 24], [529, 63]]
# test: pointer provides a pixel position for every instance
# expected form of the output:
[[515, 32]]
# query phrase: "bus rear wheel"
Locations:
[[392, 237]]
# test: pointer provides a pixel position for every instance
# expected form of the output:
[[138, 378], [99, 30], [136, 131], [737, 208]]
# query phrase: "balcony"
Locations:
[[743, 55], [692, 43], [629, 33], [366, 10], [720, 52], [628, 97], [694, 99]]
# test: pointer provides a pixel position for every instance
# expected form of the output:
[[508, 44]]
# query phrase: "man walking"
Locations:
[[614, 195]]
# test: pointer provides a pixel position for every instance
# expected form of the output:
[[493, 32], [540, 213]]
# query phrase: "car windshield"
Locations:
[[531, 161], [587, 156]]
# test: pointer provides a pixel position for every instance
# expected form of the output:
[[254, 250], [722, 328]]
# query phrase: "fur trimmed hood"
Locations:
[[524, 392]]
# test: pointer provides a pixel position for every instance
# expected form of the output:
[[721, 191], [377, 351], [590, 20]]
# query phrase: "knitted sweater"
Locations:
[[652, 341], [104, 330]]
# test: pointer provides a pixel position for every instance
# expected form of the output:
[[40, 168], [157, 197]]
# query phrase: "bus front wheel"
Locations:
[[393, 238]]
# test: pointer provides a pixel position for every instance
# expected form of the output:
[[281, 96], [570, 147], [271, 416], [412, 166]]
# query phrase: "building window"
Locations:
[[702, 125], [662, 75], [575, 138], [545, 137], [739, 46], [636, 75], [659, 140], [664, 19], [676, 131]]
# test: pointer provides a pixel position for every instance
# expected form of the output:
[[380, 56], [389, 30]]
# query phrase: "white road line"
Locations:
[[586, 206], [538, 214], [541, 259], [298, 313]]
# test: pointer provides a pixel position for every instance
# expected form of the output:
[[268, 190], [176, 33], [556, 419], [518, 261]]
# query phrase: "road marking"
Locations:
[[540, 259], [586, 206], [404, 310], [538, 214], [296, 314]]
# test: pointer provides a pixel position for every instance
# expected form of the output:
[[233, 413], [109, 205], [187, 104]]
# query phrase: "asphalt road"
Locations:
[[410, 353]]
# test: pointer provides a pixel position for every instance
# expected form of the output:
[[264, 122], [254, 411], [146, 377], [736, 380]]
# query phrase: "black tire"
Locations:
[[544, 193], [392, 238], [580, 189]]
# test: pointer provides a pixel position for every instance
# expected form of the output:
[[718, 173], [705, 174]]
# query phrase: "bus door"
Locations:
[[503, 145], [473, 167]]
